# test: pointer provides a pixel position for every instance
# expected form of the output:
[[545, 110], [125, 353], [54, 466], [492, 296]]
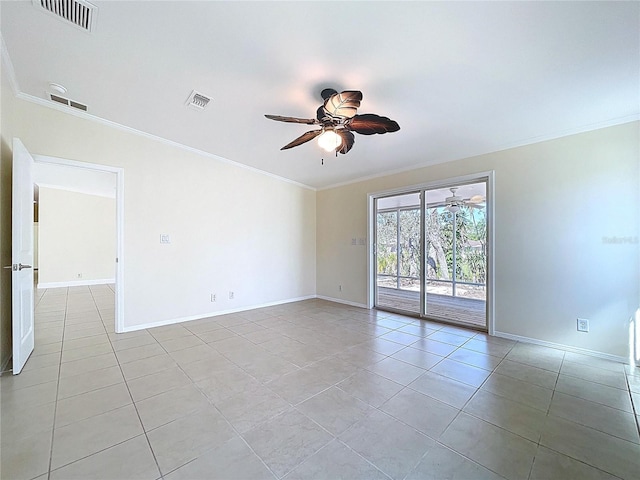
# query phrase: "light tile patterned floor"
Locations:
[[303, 391]]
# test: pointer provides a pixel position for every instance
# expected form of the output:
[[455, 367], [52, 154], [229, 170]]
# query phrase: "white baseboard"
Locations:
[[340, 300], [76, 283], [217, 313], [544, 343], [171, 321]]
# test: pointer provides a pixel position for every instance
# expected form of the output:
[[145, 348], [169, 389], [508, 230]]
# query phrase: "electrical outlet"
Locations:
[[231, 295], [213, 297], [79, 275], [583, 325]]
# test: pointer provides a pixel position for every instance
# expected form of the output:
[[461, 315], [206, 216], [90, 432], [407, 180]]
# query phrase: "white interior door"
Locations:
[[22, 256]]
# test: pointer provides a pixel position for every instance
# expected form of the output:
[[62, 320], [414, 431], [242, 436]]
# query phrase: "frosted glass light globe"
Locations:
[[329, 140]]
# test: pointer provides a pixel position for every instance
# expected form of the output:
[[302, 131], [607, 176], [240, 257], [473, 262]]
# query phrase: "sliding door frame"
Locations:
[[487, 177]]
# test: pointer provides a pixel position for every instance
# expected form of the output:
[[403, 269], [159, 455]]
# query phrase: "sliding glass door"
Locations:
[[431, 256]]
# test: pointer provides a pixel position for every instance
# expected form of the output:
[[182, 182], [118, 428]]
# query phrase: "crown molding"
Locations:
[[140, 133], [521, 143], [7, 65]]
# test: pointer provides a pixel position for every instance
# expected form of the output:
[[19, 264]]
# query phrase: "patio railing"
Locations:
[[453, 282]]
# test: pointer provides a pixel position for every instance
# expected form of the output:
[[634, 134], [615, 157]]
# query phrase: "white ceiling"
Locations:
[[460, 78]]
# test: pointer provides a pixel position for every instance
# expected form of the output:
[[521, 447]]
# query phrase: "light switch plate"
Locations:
[[164, 238]]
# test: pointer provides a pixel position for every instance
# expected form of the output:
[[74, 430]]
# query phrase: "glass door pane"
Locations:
[[387, 249], [456, 254], [398, 252]]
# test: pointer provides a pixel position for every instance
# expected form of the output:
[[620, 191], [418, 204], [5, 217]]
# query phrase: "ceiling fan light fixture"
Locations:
[[453, 208], [329, 141], [338, 112]]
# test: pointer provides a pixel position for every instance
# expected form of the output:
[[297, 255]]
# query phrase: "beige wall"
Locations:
[[235, 229], [556, 203], [77, 238], [231, 228]]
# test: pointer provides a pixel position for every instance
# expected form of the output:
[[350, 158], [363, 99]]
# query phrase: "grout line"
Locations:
[[635, 408], [547, 413], [55, 410], [194, 384], [99, 451], [133, 403], [69, 300], [294, 407]]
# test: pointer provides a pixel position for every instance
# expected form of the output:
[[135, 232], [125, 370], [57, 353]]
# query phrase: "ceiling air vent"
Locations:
[[80, 13], [58, 99], [198, 101], [67, 102]]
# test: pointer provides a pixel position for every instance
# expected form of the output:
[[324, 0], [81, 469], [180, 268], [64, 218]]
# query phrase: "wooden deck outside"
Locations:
[[463, 310]]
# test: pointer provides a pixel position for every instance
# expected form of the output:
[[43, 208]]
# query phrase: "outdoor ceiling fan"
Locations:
[[338, 120], [454, 202]]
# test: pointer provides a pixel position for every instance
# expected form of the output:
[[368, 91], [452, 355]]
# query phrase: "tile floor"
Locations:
[[303, 391]]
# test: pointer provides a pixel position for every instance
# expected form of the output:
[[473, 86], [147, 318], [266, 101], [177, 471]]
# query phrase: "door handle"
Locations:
[[16, 267]]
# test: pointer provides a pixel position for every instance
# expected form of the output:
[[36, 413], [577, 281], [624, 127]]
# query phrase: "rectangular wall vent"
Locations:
[[80, 13], [198, 100], [67, 102]]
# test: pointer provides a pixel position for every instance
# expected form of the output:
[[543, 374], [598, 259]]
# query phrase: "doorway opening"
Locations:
[[22, 247], [96, 262], [431, 253]]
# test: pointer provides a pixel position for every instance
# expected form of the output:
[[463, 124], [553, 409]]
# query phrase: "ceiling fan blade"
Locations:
[[307, 121], [322, 115], [304, 138], [327, 92], [348, 139], [370, 123], [343, 104], [474, 205]]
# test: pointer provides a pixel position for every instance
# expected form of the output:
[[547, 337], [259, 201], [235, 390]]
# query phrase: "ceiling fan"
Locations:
[[338, 120], [455, 202]]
